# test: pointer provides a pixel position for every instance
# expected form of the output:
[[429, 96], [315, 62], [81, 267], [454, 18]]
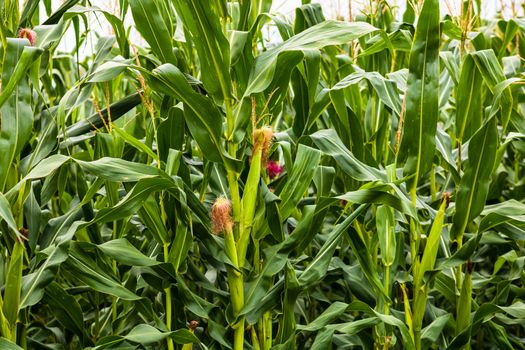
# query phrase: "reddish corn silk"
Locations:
[[220, 215], [274, 169], [28, 34]]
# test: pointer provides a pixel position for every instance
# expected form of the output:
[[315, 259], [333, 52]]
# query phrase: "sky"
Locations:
[[331, 8]]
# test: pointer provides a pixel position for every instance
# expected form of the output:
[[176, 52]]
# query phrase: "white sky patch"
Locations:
[[332, 9]]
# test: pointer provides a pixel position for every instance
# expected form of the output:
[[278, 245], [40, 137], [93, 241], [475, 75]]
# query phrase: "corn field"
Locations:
[[244, 179]]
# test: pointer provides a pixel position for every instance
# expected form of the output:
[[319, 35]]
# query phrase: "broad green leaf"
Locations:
[[145, 334], [464, 304], [366, 263], [34, 283], [431, 332], [16, 115], [408, 343], [474, 185], [323, 340], [380, 196], [329, 143], [83, 268], [66, 309], [8, 345], [421, 113], [427, 263], [13, 285], [125, 253], [496, 214], [332, 312], [202, 116], [314, 38], [7, 216], [317, 268], [181, 245], [118, 109], [469, 111], [201, 21], [432, 244], [134, 142], [385, 230], [147, 15], [386, 89], [492, 74], [354, 327], [135, 198], [150, 215], [299, 178], [116, 169]]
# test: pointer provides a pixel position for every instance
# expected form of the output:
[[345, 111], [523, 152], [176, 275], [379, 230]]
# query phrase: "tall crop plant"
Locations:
[[245, 181]]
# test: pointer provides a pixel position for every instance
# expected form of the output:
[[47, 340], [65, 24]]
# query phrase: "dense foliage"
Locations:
[[244, 181]]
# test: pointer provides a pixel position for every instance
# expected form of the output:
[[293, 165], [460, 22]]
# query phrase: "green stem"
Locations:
[[236, 199], [236, 283], [231, 175], [169, 340], [433, 182], [267, 341], [255, 339], [386, 306]]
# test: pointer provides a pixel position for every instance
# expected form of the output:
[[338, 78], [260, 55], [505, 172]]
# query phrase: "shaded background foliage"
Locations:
[[394, 216]]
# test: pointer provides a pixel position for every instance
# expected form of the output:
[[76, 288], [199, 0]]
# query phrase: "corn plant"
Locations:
[[245, 180]]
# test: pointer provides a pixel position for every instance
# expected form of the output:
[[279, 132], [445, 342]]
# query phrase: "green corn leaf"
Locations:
[[431, 332], [202, 116], [150, 215], [134, 200], [473, 188], [13, 285], [469, 111], [464, 304], [332, 312], [299, 179], [386, 89], [134, 142], [366, 263], [66, 309], [316, 37], [323, 340], [385, 231], [16, 115], [150, 24], [432, 245], [7, 216], [8, 345], [388, 319], [421, 113], [125, 253], [181, 245], [289, 54], [116, 169], [492, 73], [329, 143], [317, 268], [82, 267], [118, 109], [34, 283], [202, 23]]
